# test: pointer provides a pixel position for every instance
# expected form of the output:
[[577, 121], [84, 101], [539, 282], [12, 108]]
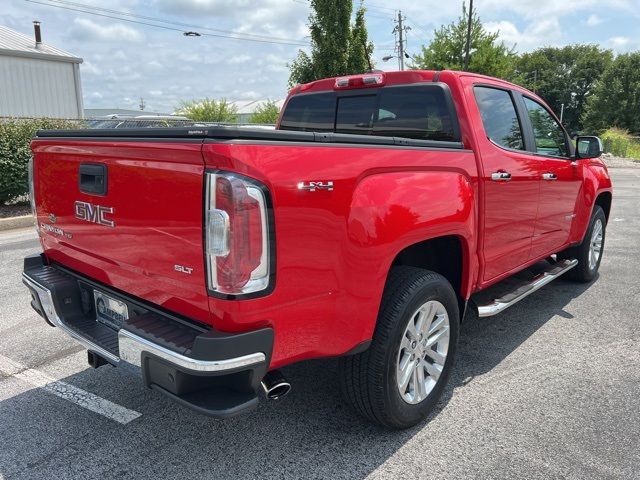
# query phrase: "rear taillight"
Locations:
[[32, 194], [237, 235]]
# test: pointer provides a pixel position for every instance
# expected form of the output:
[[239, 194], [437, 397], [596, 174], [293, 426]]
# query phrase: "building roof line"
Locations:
[[18, 44], [39, 56]]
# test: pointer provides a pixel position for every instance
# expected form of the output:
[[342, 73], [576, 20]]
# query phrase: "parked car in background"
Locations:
[[139, 121]]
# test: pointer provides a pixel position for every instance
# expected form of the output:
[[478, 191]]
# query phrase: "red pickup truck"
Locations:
[[380, 209]]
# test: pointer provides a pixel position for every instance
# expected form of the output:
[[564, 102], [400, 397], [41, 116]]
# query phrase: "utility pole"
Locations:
[[400, 30], [468, 46], [142, 104], [400, 41]]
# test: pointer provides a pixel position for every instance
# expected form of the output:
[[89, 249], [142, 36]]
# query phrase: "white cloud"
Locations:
[[621, 44], [124, 61], [243, 58], [594, 20], [619, 41], [546, 8], [90, 68], [85, 29], [536, 34]]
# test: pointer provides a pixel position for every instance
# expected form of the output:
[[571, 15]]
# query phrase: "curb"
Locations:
[[12, 223]]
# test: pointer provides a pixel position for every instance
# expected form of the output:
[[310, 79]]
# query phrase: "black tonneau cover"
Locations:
[[240, 133]]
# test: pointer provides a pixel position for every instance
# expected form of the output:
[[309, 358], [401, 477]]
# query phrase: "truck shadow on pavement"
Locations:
[[311, 433]]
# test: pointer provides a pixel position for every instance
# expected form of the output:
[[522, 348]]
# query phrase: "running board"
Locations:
[[511, 298]]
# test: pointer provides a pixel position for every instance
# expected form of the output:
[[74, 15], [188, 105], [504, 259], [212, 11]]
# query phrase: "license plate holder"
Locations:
[[110, 311]]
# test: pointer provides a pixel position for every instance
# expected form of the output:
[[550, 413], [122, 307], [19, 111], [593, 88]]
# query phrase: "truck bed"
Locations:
[[242, 133]]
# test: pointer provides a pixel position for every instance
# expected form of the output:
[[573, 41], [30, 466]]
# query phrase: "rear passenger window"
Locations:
[[499, 117], [419, 112], [356, 114], [310, 113]]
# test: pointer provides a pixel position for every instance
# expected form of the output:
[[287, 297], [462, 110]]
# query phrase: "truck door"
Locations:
[[560, 180], [511, 183]]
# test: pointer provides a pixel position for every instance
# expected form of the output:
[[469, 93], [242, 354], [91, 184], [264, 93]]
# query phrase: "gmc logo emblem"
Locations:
[[93, 213]]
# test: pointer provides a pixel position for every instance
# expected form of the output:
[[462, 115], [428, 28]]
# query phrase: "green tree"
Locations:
[[266, 113], [360, 48], [447, 49], [564, 75], [15, 151], [208, 110], [615, 100], [337, 47]]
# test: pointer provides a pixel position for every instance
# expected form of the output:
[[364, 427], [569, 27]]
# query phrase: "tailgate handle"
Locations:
[[93, 178]]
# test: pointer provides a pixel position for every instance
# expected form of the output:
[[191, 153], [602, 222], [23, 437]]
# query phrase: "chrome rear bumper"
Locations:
[[213, 372], [132, 347]]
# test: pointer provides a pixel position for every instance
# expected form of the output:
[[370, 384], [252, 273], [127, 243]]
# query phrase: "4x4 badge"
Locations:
[[313, 186]]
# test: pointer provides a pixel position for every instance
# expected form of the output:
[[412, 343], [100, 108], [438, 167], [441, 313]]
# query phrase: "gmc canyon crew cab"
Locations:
[[380, 209]]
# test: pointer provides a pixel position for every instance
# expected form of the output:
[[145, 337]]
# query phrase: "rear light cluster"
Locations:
[[32, 190], [237, 235], [374, 80]]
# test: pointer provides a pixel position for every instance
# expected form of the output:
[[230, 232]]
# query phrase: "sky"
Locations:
[[124, 61]]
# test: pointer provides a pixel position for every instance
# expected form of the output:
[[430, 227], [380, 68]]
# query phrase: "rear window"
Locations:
[[310, 113], [423, 112]]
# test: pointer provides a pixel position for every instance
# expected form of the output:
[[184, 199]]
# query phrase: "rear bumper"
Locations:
[[215, 373]]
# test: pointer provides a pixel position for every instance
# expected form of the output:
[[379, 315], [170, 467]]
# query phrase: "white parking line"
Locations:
[[70, 393]]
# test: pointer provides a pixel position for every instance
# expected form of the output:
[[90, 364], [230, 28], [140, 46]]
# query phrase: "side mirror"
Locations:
[[588, 147]]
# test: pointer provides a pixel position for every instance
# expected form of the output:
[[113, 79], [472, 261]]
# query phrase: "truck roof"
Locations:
[[399, 78]]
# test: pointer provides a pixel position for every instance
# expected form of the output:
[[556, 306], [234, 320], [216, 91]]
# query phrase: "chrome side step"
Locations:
[[505, 301]]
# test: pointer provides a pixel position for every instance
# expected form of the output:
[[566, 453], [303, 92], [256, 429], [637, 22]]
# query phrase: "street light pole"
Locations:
[[468, 46]]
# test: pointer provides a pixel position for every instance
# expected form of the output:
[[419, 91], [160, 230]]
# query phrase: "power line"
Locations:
[[415, 26], [368, 8], [162, 20], [117, 15], [378, 7]]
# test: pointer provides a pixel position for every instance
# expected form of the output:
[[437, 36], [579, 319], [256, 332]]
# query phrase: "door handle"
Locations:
[[92, 178], [500, 176], [549, 176]]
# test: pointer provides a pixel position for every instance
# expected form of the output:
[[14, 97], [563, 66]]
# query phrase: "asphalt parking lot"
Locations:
[[548, 389]]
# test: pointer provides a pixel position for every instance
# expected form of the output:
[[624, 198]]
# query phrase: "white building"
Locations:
[[37, 80]]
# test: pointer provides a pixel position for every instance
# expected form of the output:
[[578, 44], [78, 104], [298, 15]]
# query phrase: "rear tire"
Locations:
[[400, 378], [589, 252]]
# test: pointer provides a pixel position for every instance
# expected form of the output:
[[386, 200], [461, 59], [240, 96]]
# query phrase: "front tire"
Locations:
[[589, 252], [400, 378]]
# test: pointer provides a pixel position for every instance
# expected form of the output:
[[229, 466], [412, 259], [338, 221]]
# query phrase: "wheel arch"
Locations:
[[604, 201], [446, 255]]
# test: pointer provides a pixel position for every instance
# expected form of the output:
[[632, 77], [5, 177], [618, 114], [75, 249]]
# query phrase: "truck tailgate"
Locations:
[[143, 235]]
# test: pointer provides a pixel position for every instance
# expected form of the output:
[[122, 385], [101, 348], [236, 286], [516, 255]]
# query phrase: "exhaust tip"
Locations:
[[275, 386]]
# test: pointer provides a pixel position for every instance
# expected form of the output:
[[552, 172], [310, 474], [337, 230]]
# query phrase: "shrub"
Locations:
[[208, 110], [266, 113], [15, 136], [620, 143]]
